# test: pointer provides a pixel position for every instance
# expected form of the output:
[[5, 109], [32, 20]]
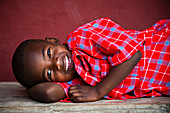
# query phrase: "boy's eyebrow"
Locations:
[[43, 53]]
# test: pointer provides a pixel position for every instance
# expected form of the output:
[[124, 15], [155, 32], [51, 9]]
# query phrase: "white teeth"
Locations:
[[66, 63], [70, 60]]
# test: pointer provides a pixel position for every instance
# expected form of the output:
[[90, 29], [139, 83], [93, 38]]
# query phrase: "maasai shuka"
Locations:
[[100, 44]]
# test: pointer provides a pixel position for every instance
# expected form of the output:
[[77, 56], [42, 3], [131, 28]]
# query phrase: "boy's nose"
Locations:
[[58, 63]]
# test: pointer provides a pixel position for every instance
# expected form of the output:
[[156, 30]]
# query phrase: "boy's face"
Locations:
[[47, 61]]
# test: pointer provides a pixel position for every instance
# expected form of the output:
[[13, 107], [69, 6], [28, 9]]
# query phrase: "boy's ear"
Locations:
[[53, 40]]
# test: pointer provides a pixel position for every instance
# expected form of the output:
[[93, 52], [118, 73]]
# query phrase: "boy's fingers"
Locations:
[[71, 91], [78, 99], [77, 94], [73, 87]]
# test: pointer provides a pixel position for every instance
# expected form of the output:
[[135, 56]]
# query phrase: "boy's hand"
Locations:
[[83, 93], [115, 76]]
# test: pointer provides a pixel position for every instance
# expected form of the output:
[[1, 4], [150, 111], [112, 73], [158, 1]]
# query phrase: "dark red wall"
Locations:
[[23, 19]]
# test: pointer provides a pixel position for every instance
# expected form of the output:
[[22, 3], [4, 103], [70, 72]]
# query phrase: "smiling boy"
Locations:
[[43, 61], [102, 58]]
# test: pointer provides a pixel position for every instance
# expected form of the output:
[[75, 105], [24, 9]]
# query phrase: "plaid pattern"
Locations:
[[100, 44]]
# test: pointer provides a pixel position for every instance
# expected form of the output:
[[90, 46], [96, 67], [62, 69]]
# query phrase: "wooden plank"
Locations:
[[13, 98]]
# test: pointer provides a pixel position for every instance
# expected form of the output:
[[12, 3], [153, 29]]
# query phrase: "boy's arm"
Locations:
[[116, 75], [46, 92]]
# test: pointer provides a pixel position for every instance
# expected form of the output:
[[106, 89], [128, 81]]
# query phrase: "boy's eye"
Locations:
[[49, 74], [48, 53]]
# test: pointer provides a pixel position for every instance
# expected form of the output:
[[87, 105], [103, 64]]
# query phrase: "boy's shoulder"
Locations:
[[94, 23]]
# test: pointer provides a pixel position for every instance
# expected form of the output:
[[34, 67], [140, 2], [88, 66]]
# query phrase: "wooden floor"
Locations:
[[13, 98]]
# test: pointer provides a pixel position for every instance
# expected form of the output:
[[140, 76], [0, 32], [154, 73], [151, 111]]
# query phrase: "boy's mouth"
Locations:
[[67, 63]]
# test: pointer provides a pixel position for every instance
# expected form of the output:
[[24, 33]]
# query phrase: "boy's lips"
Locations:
[[67, 63]]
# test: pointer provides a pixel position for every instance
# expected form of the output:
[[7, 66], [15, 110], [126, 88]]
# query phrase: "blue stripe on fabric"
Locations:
[[131, 37], [69, 40], [104, 58], [121, 48], [69, 82], [151, 88], [85, 29], [131, 87], [112, 29], [167, 43], [105, 96], [168, 84], [134, 75], [160, 61], [151, 80], [96, 67], [81, 46], [156, 71], [95, 25]]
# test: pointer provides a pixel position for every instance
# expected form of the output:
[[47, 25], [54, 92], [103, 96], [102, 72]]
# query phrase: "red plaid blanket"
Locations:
[[100, 44]]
